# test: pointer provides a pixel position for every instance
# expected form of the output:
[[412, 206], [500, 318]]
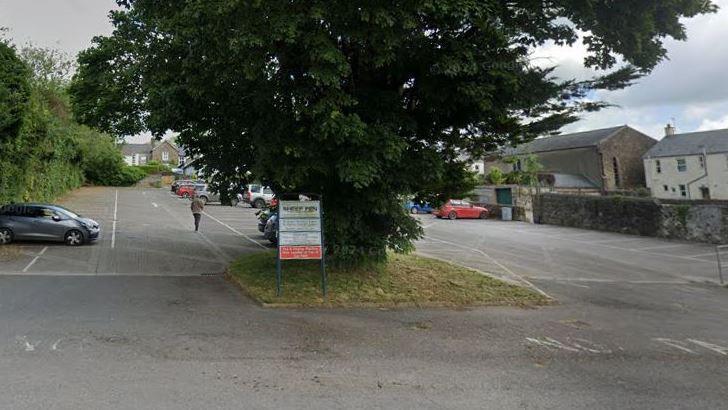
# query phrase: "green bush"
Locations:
[[128, 176]]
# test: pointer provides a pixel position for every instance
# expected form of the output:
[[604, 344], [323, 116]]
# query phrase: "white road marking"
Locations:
[[674, 343], [55, 345], [662, 247], [500, 265], [35, 259], [703, 255], [549, 342], [235, 230], [29, 347], [154, 204], [720, 349], [113, 224]]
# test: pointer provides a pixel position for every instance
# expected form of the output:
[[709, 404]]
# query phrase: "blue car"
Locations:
[[418, 207]]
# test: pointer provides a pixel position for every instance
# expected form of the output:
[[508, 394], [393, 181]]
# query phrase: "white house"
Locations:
[[688, 166]]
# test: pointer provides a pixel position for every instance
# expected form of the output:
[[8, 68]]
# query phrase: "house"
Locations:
[[136, 154], [602, 160], [163, 152], [689, 166]]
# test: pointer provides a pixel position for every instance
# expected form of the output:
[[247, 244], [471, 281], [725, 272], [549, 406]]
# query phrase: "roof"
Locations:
[[572, 181], [174, 147], [693, 143], [565, 141], [131, 149]]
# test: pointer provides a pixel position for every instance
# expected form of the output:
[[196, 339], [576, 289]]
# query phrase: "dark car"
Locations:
[[44, 222], [418, 207]]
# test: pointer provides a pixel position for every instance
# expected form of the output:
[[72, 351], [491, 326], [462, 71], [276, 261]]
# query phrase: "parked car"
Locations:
[[45, 222], [177, 184], [271, 229], [258, 196], [208, 196], [459, 209], [185, 191], [418, 207]]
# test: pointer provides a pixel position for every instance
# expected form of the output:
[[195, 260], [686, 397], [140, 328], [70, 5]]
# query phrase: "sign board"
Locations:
[[300, 252], [300, 225], [300, 236], [299, 230], [300, 209]]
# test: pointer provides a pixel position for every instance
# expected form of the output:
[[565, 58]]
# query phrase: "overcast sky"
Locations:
[[691, 87]]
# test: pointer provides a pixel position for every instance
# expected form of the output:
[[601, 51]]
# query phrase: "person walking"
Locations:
[[197, 207]]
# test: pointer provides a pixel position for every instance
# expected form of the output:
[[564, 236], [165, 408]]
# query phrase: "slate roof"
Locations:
[[693, 143], [566, 141], [131, 149]]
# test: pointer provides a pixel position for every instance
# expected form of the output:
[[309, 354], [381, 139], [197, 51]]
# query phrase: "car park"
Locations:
[[460, 209], [258, 196], [45, 222]]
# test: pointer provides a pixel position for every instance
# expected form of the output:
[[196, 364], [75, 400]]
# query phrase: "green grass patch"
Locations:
[[405, 280]]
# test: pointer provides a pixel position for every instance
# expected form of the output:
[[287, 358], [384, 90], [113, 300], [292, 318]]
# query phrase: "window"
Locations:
[[517, 165], [701, 159], [683, 191], [165, 156], [615, 167], [705, 192], [658, 166], [681, 165], [666, 188], [135, 159]]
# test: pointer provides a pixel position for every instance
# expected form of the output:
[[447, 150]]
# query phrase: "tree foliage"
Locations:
[[43, 151], [360, 101]]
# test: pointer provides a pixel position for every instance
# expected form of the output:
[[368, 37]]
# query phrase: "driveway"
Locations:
[[144, 232], [138, 321]]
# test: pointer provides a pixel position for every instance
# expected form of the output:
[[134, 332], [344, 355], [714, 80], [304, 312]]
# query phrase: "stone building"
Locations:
[[163, 152], [689, 166], [606, 159]]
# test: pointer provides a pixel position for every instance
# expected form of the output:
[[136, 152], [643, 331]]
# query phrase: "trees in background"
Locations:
[[43, 151], [364, 102]]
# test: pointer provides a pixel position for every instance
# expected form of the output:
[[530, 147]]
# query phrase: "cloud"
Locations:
[[689, 89], [708, 124]]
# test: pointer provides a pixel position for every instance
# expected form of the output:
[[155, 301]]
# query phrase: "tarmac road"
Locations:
[[141, 324]]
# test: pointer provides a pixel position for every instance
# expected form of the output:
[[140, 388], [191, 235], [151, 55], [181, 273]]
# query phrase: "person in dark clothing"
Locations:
[[197, 207]]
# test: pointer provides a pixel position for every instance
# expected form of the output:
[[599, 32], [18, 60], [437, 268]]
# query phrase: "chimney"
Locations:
[[669, 130], [153, 142]]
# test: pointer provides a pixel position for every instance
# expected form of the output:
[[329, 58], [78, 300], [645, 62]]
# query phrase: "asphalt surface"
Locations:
[[141, 319]]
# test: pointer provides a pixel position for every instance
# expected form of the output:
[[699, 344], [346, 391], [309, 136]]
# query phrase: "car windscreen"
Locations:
[[65, 211]]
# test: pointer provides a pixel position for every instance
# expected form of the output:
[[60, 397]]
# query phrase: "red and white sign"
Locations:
[[300, 252]]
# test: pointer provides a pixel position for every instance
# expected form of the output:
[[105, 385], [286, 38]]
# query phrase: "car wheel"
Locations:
[[452, 215], [6, 236], [203, 199], [259, 203], [234, 202], [74, 238], [413, 210]]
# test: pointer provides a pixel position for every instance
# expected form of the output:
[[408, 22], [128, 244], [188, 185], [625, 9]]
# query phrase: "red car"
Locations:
[[459, 209], [185, 191]]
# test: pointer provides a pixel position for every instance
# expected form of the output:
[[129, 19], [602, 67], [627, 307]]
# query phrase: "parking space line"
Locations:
[[113, 224], [664, 246], [500, 265], [35, 259], [235, 230]]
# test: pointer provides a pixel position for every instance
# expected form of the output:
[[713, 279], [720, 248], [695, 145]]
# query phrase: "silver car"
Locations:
[[206, 195], [44, 222]]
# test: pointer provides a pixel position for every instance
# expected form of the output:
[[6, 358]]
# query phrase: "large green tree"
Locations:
[[362, 101], [14, 92]]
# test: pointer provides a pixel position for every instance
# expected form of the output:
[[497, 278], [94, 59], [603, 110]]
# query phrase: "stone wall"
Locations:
[[702, 222]]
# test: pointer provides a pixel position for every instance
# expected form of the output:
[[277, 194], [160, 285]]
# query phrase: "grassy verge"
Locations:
[[406, 280]]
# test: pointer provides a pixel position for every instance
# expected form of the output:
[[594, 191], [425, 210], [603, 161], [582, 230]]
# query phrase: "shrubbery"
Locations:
[[43, 151]]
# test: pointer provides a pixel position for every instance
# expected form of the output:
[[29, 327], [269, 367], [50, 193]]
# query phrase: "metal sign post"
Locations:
[[300, 236], [720, 261]]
